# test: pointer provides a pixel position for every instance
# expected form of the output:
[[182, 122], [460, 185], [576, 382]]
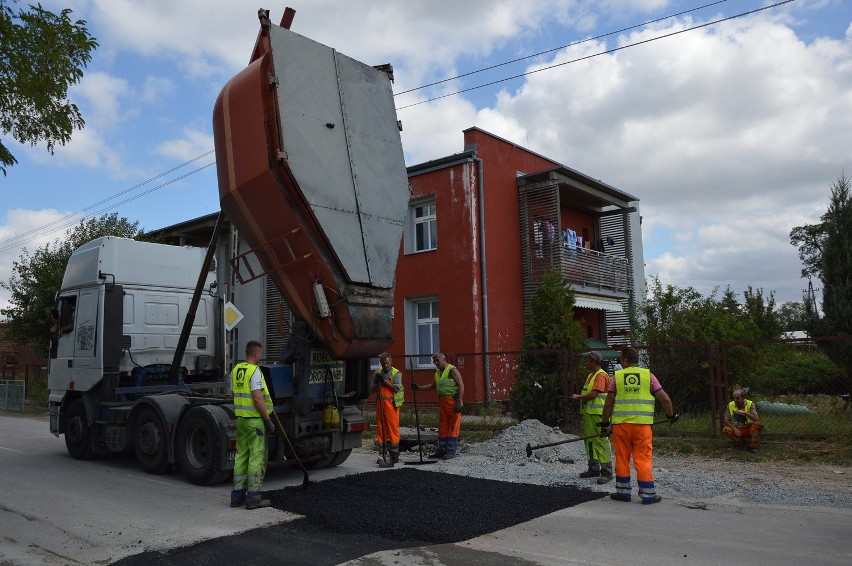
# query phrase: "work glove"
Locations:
[[605, 429], [673, 418], [458, 406], [415, 387], [270, 427]]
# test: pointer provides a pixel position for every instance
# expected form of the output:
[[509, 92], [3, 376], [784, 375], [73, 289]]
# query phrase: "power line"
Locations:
[[573, 43], [61, 222], [613, 50], [7, 246]]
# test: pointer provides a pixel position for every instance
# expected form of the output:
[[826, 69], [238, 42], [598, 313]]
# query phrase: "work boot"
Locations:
[[438, 454], [604, 478], [448, 456], [238, 498], [258, 503], [590, 474], [651, 500], [394, 457], [619, 497]]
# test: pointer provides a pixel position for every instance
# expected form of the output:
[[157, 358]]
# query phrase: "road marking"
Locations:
[[11, 450]]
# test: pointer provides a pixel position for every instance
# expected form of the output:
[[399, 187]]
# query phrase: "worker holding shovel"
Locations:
[[387, 383], [592, 398]]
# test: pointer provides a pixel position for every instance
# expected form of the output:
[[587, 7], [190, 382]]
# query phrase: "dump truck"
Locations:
[[312, 181]]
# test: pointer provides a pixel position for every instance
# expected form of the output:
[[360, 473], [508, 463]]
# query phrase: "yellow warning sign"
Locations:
[[232, 315]]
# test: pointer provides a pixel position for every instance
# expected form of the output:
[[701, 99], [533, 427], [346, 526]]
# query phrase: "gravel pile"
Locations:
[[688, 479]]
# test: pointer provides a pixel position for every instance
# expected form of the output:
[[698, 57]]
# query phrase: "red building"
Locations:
[[484, 225]]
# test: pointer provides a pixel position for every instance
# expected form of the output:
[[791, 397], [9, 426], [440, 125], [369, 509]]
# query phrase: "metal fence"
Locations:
[[798, 389], [12, 394]]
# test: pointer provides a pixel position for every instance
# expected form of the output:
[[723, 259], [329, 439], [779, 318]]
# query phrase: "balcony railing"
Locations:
[[593, 270]]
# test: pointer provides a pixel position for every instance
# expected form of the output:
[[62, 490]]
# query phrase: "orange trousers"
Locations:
[[748, 434], [449, 421], [387, 423], [634, 440]]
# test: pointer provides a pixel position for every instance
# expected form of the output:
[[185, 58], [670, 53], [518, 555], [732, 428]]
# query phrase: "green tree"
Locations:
[[41, 55], [826, 252], [762, 313], [792, 316], [537, 392], [36, 277]]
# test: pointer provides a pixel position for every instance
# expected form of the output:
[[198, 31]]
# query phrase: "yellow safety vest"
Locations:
[[732, 407], [399, 395], [634, 402], [445, 382], [241, 387], [593, 406]]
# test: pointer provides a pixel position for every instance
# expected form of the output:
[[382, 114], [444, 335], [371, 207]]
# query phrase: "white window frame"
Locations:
[[430, 220], [418, 359]]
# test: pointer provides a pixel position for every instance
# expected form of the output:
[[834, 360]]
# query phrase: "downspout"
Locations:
[[484, 274]]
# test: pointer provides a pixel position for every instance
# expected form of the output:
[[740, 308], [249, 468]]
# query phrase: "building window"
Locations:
[[424, 226], [423, 337]]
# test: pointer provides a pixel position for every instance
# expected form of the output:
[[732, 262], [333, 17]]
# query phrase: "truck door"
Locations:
[[86, 370], [63, 360]]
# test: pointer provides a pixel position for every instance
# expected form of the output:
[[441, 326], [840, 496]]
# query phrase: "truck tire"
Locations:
[[78, 434], [200, 445], [340, 457], [150, 441], [330, 460]]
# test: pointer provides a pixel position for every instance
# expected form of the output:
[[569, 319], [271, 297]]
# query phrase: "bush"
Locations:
[[799, 373]]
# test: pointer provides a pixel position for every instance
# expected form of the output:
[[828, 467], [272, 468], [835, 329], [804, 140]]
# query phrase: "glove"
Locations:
[[605, 429], [415, 387], [673, 418], [458, 406], [270, 427]]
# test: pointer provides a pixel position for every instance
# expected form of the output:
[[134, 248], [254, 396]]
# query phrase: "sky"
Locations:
[[730, 134]]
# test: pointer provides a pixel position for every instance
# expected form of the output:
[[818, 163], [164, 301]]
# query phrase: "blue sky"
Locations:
[[730, 135]]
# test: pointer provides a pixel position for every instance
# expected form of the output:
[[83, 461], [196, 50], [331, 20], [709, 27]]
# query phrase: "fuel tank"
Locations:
[[311, 172]]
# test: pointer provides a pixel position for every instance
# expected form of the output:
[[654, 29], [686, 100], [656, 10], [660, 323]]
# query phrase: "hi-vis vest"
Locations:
[[594, 406], [445, 382], [399, 395], [737, 420], [241, 386], [634, 402]]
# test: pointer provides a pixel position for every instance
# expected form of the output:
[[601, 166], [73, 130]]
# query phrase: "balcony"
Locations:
[[596, 272]]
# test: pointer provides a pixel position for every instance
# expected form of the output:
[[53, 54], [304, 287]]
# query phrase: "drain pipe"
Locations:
[[484, 271]]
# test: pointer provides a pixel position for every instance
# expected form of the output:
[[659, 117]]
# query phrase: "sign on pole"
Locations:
[[232, 315]]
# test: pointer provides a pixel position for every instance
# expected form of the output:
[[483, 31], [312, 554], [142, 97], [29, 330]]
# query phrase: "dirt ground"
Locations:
[[830, 477]]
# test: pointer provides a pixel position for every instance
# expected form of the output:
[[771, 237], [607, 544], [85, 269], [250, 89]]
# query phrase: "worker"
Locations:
[[253, 407], [448, 382], [387, 384], [742, 424], [592, 398], [630, 406]]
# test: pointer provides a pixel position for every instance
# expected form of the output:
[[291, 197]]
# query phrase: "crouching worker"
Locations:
[[742, 424]]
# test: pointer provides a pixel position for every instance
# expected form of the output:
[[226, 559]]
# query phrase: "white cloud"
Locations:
[[27, 229], [191, 145]]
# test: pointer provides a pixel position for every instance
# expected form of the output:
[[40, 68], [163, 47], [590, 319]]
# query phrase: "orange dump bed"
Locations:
[[311, 172]]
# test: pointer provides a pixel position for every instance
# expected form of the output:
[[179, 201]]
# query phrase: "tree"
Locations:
[[762, 313], [791, 316], [41, 55], [36, 278], [537, 392], [826, 252]]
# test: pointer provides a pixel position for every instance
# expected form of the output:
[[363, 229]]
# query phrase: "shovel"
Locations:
[[531, 448], [280, 430], [419, 443]]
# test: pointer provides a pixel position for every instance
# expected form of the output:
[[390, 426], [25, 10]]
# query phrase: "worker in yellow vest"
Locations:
[[253, 407], [448, 382], [390, 395], [592, 398], [630, 408], [742, 425]]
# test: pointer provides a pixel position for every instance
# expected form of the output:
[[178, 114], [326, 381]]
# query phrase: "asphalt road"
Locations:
[[58, 511]]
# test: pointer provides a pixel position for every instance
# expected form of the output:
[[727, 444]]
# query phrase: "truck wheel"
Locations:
[[340, 457], [200, 445], [150, 442], [78, 435]]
